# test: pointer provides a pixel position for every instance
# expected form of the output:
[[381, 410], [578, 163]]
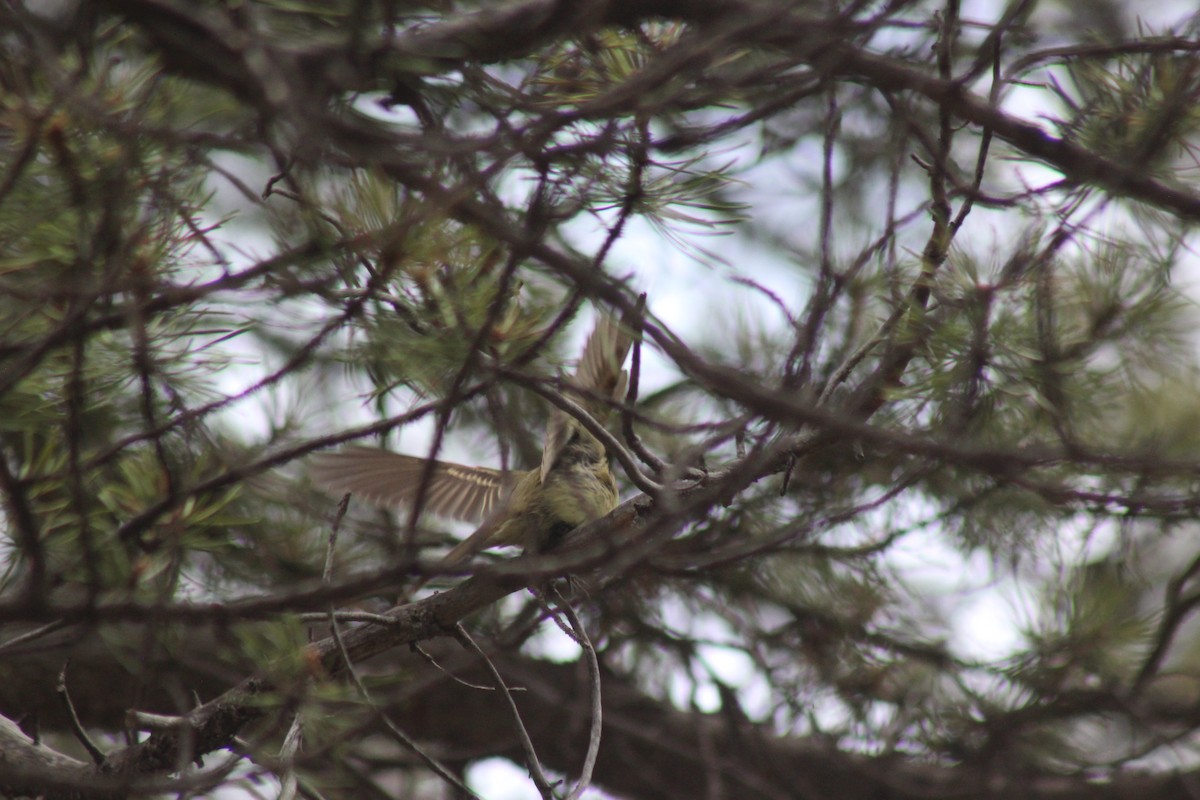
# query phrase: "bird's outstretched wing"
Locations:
[[383, 478], [599, 372]]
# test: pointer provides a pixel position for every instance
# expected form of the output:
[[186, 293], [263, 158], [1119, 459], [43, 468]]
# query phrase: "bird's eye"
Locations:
[[558, 532]]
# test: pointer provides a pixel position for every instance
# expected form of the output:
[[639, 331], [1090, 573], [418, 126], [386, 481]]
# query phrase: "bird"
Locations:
[[533, 509]]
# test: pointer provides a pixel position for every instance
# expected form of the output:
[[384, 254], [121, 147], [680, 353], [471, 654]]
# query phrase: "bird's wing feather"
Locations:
[[479, 540], [599, 373], [383, 478], [599, 370]]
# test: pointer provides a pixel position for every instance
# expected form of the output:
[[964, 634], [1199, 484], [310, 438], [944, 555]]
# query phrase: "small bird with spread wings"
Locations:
[[533, 509]]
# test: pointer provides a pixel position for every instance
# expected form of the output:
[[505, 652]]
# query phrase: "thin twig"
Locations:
[[843, 372], [631, 395], [347, 616], [333, 616], [295, 735], [77, 728], [251, 751], [438, 768], [531, 760], [550, 613], [146, 721], [36, 633], [433, 663], [327, 571], [287, 756], [593, 665]]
